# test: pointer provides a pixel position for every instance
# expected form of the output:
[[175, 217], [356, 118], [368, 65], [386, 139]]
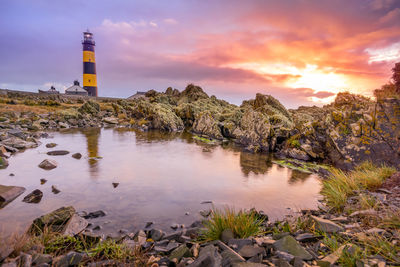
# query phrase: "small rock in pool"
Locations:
[[115, 185], [174, 226], [95, 214], [187, 213], [77, 155], [43, 181], [33, 197], [58, 153], [148, 224], [51, 145], [48, 164], [12, 174], [207, 202], [55, 190]]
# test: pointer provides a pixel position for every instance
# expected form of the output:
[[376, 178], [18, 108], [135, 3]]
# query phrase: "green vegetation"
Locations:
[[243, 224], [204, 139], [307, 167], [340, 185]]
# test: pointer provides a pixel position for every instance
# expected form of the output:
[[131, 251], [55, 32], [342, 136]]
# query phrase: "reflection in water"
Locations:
[[92, 141], [254, 163], [298, 177], [161, 177]]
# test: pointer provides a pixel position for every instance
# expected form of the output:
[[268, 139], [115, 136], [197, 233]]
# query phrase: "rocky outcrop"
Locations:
[[206, 125]]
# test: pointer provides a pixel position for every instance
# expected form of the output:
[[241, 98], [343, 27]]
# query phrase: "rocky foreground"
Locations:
[[365, 237], [345, 133]]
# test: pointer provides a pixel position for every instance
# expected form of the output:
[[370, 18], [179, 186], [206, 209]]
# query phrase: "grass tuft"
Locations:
[[243, 224], [340, 185]]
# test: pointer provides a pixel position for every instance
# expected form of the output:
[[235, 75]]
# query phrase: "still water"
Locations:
[[162, 178]]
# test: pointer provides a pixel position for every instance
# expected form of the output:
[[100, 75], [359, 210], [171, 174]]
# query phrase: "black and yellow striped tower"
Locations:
[[89, 64]]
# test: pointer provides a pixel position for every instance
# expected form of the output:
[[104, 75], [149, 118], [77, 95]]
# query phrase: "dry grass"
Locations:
[[340, 185]]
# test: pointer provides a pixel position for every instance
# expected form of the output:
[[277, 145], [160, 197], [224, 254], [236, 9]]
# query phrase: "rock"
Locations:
[[174, 226], [205, 213], [75, 225], [290, 245], [55, 190], [9, 193], [58, 153], [140, 237], [206, 125], [34, 197], [38, 259], [3, 152], [48, 164], [307, 237], [361, 213], [43, 181], [51, 145], [229, 256], [77, 155], [156, 234], [90, 107], [72, 258], [226, 235], [55, 220], [97, 228], [10, 264], [179, 252], [25, 260], [11, 174], [110, 120], [5, 251], [285, 256], [148, 224], [115, 185], [208, 257], [17, 133], [248, 264], [264, 241], [95, 214], [237, 244], [326, 225], [331, 258], [249, 251], [63, 125]]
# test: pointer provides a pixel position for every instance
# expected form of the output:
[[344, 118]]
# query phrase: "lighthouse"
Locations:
[[89, 64]]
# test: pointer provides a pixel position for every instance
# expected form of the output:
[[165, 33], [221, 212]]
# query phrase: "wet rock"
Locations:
[[58, 153], [55, 220], [55, 190], [179, 252], [9, 193], [11, 174], [90, 107], [43, 181], [51, 145], [95, 214], [77, 155], [290, 245], [75, 225], [34, 197], [226, 235], [48, 164], [326, 225], [174, 226], [249, 251], [148, 224], [285, 256], [265, 241], [206, 125], [97, 228], [115, 185]]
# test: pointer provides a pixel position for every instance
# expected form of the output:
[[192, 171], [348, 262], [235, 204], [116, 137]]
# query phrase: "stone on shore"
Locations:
[[9, 193], [326, 225], [51, 145], [75, 225], [55, 220], [111, 120], [48, 164], [290, 245]]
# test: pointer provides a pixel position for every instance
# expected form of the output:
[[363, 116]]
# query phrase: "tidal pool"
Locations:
[[163, 178]]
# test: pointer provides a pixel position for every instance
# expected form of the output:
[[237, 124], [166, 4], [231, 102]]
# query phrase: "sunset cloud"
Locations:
[[301, 52]]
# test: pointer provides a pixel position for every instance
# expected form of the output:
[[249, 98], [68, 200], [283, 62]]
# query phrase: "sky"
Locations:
[[302, 52]]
